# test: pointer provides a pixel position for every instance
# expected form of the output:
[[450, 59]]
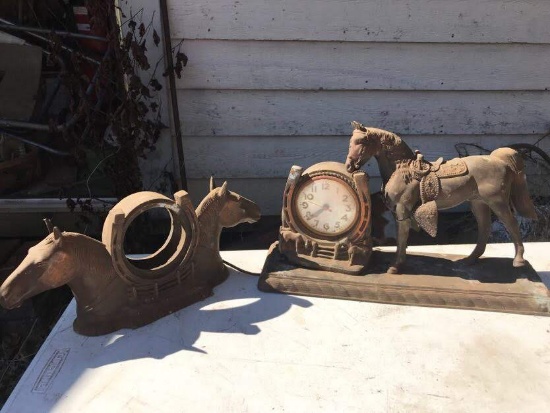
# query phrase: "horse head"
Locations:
[[46, 266], [236, 208], [361, 147], [366, 142]]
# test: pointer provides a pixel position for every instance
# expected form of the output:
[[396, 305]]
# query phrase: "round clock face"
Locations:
[[325, 206]]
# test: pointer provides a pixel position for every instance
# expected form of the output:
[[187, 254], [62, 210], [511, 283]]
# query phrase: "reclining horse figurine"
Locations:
[[183, 271], [415, 189]]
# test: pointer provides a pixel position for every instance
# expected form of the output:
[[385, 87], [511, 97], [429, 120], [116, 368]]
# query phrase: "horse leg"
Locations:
[[299, 241], [482, 213], [403, 227], [503, 212]]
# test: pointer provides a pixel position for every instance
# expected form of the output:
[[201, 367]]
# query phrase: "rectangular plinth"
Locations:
[[431, 280]]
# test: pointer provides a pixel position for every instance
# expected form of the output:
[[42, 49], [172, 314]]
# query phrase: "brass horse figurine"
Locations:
[[103, 301], [415, 189]]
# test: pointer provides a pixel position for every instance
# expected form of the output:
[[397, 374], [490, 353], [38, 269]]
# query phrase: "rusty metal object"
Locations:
[[430, 280], [113, 291], [326, 218], [165, 265], [490, 182]]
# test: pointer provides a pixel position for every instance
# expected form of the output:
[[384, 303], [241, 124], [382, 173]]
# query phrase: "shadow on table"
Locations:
[[545, 277], [485, 270], [235, 308]]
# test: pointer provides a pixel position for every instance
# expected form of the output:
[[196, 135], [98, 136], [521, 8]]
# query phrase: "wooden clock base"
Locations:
[[325, 264], [431, 280]]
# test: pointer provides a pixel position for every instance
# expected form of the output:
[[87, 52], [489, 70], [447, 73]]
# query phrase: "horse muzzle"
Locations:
[[352, 166], [6, 302], [254, 217]]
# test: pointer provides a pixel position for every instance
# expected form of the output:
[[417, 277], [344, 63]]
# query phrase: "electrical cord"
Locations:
[[255, 274]]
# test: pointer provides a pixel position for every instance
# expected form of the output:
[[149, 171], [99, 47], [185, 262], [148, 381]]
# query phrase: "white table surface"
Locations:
[[247, 351]]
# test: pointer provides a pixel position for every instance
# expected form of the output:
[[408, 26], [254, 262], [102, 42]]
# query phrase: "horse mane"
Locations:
[[81, 248], [389, 142], [205, 209], [387, 139], [405, 169]]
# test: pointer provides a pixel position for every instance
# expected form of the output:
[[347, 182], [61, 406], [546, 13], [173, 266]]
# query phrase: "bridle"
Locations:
[[356, 164]]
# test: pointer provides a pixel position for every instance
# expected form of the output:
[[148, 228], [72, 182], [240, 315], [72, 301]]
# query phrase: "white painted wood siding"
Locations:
[[442, 21], [282, 65], [273, 83]]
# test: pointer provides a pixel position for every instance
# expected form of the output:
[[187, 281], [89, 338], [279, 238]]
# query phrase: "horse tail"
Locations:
[[519, 194]]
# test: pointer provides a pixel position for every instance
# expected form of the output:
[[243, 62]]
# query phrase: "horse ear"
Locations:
[[48, 225], [223, 190], [56, 233], [212, 183], [358, 126]]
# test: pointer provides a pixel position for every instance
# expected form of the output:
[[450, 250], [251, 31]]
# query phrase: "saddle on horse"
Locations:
[[429, 174]]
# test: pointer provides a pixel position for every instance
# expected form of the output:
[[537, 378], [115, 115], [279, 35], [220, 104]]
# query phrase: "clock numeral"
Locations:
[[348, 208], [305, 205], [308, 215], [344, 218], [345, 198], [337, 225], [316, 223], [325, 186], [309, 196], [326, 226], [313, 188]]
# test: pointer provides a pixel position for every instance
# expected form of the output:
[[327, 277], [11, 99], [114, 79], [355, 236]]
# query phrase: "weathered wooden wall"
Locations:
[[273, 83]]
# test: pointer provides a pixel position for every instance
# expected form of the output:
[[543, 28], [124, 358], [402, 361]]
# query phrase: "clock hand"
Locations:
[[326, 206], [315, 203], [317, 213], [320, 211]]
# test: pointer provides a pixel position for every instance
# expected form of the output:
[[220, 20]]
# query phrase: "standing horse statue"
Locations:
[[107, 300], [415, 189]]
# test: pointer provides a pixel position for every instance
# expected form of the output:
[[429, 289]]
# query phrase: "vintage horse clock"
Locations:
[[115, 291], [325, 235]]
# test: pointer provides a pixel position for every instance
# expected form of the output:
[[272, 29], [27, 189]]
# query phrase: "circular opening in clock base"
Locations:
[[152, 230], [170, 260]]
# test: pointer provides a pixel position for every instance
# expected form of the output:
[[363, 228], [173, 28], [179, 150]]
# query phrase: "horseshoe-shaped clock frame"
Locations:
[[345, 252]]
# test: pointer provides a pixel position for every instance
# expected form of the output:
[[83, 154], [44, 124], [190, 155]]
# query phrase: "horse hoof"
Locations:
[[393, 270], [519, 263]]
